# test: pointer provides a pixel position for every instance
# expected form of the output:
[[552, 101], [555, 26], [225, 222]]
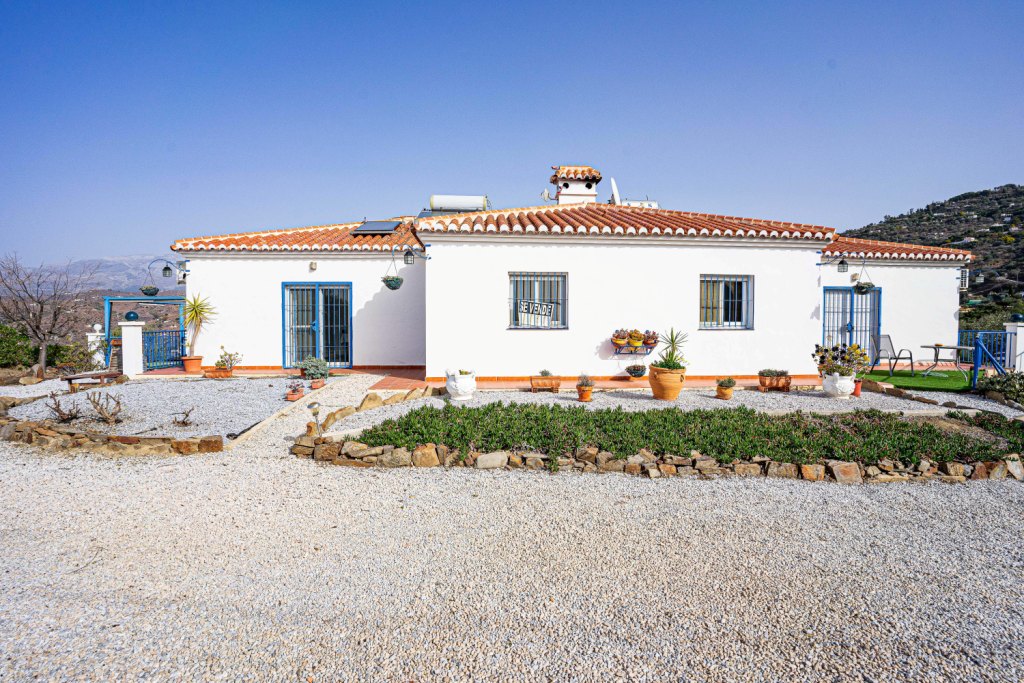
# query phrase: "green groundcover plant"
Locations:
[[741, 433]]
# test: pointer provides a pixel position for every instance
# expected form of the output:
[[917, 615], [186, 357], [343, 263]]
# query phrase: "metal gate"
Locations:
[[163, 348], [317, 321], [851, 318]]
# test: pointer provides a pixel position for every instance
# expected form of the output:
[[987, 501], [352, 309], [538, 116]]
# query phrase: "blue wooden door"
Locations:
[[851, 318]]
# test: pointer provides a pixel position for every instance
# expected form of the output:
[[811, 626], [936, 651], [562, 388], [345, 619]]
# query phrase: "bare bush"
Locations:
[[107, 406], [186, 417], [59, 412]]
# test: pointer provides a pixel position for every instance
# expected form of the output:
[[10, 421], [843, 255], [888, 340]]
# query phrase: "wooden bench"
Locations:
[[105, 377]]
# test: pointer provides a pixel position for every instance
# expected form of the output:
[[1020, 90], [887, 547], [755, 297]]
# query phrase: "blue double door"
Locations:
[[317, 321], [851, 318]]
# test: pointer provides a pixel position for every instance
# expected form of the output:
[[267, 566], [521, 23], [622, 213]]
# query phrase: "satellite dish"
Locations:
[[615, 193]]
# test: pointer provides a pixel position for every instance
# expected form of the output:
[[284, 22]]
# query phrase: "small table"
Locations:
[[955, 360]]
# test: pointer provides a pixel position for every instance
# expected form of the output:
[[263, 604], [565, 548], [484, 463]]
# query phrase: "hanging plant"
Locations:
[[863, 287], [392, 282], [149, 290]]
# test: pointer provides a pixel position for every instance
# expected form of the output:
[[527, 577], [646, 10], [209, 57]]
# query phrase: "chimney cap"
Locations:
[[575, 173]]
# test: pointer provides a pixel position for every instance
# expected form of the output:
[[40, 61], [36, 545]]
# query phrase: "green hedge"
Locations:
[[741, 433], [15, 348]]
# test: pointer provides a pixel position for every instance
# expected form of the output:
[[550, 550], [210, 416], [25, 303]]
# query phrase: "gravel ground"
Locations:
[[251, 564], [221, 406], [808, 401], [41, 389]]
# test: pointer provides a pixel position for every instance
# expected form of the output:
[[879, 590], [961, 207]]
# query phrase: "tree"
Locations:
[[41, 301]]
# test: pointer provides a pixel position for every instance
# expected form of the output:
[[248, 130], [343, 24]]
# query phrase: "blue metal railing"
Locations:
[[163, 348], [998, 343]]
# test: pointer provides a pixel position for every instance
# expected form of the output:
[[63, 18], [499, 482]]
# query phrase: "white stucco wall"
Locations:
[[387, 326], [920, 302], [616, 282]]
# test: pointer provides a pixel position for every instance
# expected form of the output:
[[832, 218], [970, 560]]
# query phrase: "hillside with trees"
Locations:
[[989, 223]]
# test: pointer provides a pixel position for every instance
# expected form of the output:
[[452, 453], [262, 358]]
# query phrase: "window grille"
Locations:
[[537, 301], [727, 302], [965, 275]]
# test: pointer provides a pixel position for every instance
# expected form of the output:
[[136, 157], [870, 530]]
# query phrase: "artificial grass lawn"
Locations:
[[953, 380], [865, 436]]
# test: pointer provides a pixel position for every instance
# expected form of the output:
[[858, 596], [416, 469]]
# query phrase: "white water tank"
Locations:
[[458, 202]]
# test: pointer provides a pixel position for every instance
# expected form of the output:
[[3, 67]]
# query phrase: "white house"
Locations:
[[509, 292]]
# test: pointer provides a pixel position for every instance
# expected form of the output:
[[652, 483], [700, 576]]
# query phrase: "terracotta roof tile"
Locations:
[[608, 219], [855, 247], [575, 173], [336, 237]]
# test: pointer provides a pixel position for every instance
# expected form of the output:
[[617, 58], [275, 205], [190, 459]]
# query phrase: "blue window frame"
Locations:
[[316, 320], [851, 318]]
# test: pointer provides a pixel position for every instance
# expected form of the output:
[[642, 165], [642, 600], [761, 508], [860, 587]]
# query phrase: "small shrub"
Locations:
[[315, 368], [545, 373], [584, 381], [727, 383], [61, 413], [15, 348], [107, 406], [295, 387], [228, 360], [1010, 385], [184, 418]]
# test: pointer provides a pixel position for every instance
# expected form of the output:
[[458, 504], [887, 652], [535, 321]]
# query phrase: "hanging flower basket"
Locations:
[[149, 290], [392, 282], [863, 287]]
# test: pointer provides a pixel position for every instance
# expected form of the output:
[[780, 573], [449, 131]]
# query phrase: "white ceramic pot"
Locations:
[[460, 387], [837, 386]]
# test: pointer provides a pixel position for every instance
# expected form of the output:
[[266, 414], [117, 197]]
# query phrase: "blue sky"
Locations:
[[125, 126]]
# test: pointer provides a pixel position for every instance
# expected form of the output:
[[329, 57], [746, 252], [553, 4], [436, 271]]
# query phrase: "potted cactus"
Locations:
[[650, 339], [584, 388], [620, 337], [636, 338], [724, 388]]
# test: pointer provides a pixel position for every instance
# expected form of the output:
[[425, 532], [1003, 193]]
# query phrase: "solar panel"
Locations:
[[377, 228]]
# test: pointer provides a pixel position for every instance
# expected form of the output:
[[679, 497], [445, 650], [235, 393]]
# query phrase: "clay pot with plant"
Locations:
[[773, 380], [295, 391], [636, 372], [585, 388], [197, 312], [669, 372], [724, 388], [315, 369], [545, 380]]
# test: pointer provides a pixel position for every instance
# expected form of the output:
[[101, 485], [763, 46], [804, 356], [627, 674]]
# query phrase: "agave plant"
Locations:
[[198, 311], [672, 357]]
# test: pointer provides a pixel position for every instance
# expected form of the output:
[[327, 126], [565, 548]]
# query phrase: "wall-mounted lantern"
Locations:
[[843, 266]]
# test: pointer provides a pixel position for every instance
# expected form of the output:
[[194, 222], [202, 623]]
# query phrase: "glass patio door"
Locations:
[[317, 322]]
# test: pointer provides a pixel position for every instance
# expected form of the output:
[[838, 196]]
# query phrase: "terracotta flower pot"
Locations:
[[218, 373], [317, 384], [666, 384], [585, 393], [774, 383], [545, 382], [618, 342], [193, 364], [294, 395], [724, 393], [856, 387]]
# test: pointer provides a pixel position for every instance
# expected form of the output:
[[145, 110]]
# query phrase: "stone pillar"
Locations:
[[94, 342], [1015, 347], [132, 362]]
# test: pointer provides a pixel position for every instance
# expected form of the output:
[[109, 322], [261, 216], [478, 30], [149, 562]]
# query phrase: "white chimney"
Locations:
[[575, 184]]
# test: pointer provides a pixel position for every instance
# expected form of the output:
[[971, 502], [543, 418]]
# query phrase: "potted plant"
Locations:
[[839, 366], [392, 282], [620, 337], [636, 338], [225, 365], [149, 290], [774, 380], [196, 313], [724, 388], [669, 371], [545, 380], [585, 388], [315, 369], [460, 384], [295, 391], [650, 339], [636, 371]]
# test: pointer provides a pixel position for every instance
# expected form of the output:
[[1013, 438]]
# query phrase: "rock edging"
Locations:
[[48, 434]]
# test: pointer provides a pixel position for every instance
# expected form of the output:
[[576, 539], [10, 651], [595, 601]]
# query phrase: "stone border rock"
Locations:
[[49, 434], [645, 463]]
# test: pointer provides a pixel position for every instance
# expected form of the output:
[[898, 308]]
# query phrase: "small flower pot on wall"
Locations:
[[666, 384], [193, 364]]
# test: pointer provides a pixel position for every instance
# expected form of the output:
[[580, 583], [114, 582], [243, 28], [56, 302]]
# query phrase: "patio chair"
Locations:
[[886, 351]]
